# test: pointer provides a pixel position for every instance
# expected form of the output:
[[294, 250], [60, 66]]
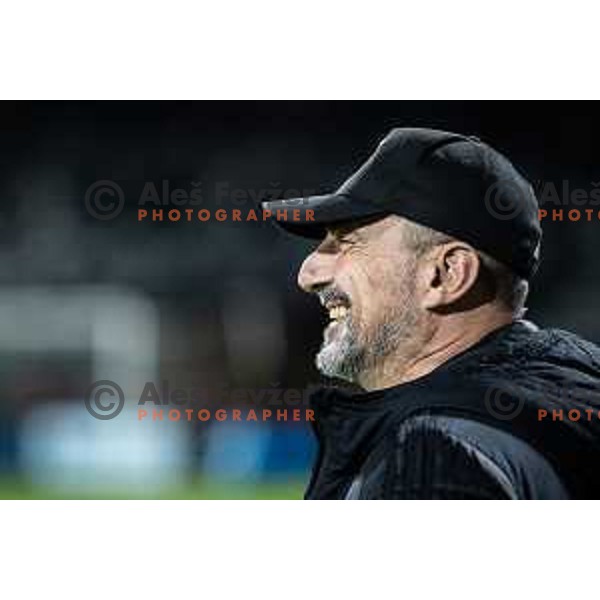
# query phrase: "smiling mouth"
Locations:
[[337, 309], [337, 313]]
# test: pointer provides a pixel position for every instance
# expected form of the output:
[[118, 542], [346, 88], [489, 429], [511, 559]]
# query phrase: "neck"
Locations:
[[448, 340]]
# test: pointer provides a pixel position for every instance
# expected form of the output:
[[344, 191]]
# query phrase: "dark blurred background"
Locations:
[[214, 304]]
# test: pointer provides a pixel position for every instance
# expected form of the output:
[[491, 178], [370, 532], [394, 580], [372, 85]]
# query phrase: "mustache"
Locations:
[[333, 294]]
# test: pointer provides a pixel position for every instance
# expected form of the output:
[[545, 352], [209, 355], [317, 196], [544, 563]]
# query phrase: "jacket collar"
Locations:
[[348, 425]]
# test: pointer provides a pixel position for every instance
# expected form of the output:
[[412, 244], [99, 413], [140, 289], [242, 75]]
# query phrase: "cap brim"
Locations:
[[310, 217]]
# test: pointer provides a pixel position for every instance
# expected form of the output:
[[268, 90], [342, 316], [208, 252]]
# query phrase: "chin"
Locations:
[[337, 361]]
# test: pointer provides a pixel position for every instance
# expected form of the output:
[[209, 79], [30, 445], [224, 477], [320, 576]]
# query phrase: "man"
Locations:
[[423, 264]]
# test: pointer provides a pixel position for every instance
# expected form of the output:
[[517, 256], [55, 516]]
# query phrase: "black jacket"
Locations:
[[472, 428]]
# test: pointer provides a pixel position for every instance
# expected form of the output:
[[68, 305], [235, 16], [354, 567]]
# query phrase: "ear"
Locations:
[[450, 273]]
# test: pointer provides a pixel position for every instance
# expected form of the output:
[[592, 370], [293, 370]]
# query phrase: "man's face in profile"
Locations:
[[364, 275]]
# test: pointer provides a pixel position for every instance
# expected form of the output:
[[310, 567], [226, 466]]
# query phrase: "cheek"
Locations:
[[389, 289], [365, 281], [352, 279]]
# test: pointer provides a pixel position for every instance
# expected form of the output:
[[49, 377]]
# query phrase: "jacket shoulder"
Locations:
[[440, 457]]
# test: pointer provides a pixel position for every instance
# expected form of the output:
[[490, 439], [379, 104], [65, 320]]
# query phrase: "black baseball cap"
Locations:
[[453, 183]]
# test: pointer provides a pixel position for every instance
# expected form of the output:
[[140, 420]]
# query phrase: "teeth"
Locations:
[[337, 312]]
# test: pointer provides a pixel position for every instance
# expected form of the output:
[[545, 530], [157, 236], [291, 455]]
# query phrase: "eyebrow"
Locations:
[[353, 226], [339, 230]]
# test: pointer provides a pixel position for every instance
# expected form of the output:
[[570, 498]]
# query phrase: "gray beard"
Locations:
[[347, 356], [342, 357]]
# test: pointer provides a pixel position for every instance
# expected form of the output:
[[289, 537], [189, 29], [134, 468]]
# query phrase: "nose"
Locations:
[[316, 270]]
